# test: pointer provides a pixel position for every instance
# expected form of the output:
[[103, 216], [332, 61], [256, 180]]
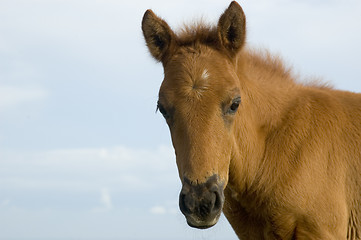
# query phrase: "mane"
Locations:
[[198, 33], [278, 72], [272, 65]]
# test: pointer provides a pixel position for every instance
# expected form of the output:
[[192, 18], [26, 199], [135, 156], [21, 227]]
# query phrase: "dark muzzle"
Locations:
[[202, 203]]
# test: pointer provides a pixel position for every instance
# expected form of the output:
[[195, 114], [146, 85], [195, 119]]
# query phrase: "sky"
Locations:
[[83, 154]]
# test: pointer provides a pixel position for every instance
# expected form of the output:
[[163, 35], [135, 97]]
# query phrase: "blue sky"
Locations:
[[82, 153]]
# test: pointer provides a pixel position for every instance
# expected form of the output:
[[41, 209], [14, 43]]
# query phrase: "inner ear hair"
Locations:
[[232, 28], [157, 34]]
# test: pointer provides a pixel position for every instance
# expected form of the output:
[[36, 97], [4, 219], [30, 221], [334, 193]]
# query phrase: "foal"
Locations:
[[281, 159]]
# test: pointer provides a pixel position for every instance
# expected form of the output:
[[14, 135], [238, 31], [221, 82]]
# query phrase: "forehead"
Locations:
[[193, 60], [197, 69]]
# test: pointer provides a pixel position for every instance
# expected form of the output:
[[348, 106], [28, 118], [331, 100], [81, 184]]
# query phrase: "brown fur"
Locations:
[[290, 157]]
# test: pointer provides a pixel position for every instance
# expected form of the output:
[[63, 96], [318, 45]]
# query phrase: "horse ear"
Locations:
[[157, 34], [232, 28]]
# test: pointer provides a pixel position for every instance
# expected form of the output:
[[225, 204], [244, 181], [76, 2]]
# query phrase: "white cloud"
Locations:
[[122, 168], [105, 201], [169, 207], [4, 202], [102, 181], [11, 96], [158, 210]]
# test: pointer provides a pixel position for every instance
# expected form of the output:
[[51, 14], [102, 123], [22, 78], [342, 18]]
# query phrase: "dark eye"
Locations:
[[162, 110], [234, 106]]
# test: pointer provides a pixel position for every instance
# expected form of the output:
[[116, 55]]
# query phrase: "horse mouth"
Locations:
[[195, 223]]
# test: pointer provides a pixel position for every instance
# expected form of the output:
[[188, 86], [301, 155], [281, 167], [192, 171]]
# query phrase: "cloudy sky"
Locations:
[[83, 155]]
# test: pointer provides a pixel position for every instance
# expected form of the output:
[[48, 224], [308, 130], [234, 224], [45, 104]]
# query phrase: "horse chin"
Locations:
[[202, 224]]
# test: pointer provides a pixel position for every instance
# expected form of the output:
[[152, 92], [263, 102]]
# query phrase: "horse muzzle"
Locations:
[[202, 203]]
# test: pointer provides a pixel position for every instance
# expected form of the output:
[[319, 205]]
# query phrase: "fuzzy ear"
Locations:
[[157, 34], [232, 28]]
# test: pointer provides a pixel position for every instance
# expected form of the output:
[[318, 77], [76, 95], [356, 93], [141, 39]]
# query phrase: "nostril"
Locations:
[[186, 204], [218, 201], [207, 204]]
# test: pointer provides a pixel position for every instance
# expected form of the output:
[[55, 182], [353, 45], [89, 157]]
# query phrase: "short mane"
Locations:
[[206, 34], [198, 33]]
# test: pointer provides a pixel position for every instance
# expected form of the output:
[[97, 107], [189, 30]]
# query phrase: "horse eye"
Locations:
[[162, 111], [234, 106]]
